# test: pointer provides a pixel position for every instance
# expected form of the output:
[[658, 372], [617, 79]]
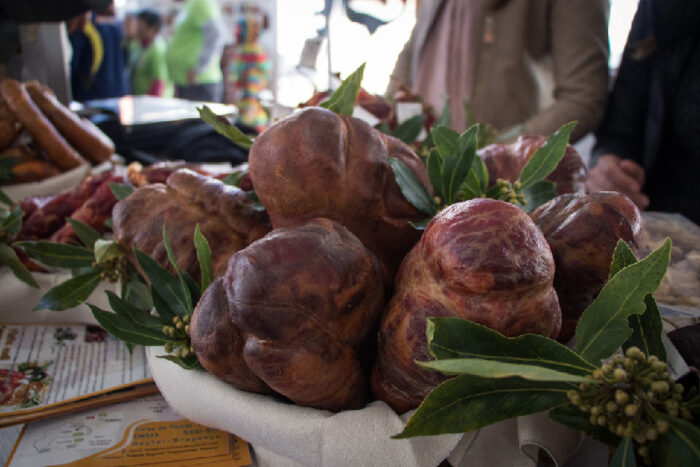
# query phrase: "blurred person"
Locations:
[[248, 69], [194, 52], [527, 65], [131, 46], [97, 66], [150, 70], [648, 146]]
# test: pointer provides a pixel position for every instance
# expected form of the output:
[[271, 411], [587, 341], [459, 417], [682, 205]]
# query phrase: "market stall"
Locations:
[[356, 283]]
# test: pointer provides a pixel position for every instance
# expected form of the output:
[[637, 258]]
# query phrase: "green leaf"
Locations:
[[136, 292], [342, 101], [547, 157], [412, 189], [193, 287], [6, 164], [9, 258], [603, 327], [234, 178], [624, 454], [121, 190], [85, 233], [4, 199], [226, 128], [409, 130], [126, 310], [495, 369], [420, 225], [458, 163], [106, 250], [647, 330], [12, 223], [467, 403], [70, 293], [434, 166], [58, 255], [450, 338], [445, 140], [478, 178], [167, 286], [204, 257], [189, 363], [680, 446], [538, 193], [126, 330], [693, 404], [173, 263], [623, 256], [162, 308], [445, 118], [570, 415]]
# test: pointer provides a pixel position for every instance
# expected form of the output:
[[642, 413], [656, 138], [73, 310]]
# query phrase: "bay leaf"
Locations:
[[412, 189], [13, 222], [450, 338], [168, 287], [680, 446], [9, 258], [58, 255], [121, 190], [225, 128], [434, 166], [125, 309], [4, 199], [487, 368], [603, 326], [465, 403], [571, 416], [624, 454], [445, 139], [162, 308], [173, 263], [409, 130], [70, 293], [107, 250], [547, 157], [458, 162], [126, 330], [85, 233], [204, 257], [647, 328], [342, 101], [538, 193]]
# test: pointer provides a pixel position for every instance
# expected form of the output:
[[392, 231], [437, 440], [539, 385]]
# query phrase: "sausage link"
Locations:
[[82, 134], [45, 135]]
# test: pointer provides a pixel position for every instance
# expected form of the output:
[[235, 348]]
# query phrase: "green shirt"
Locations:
[[151, 66], [187, 45]]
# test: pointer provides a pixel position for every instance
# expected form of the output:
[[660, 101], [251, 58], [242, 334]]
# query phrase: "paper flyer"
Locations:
[[139, 432], [47, 365]]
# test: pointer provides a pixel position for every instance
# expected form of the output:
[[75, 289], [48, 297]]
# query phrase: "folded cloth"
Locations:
[[285, 434], [17, 300]]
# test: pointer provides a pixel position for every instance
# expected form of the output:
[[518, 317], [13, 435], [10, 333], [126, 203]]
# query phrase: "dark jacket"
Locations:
[[662, 36]]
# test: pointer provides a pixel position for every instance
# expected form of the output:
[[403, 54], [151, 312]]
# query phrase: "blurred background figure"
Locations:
[[194, 53], [521, 65], [649, 143], [248, 68], [131, 47], [149, 73], [97, 66]]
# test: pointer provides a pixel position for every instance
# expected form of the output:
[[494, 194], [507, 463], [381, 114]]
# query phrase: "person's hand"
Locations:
[[191, 76], [621, 175]]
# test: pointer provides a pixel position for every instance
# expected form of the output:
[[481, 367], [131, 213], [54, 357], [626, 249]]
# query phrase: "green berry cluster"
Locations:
[[510, 192], [114, 269], [627, 394], [180, 330]]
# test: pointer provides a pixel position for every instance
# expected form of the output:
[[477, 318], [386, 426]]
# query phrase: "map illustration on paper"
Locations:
[[71, 433], [139, 432]]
